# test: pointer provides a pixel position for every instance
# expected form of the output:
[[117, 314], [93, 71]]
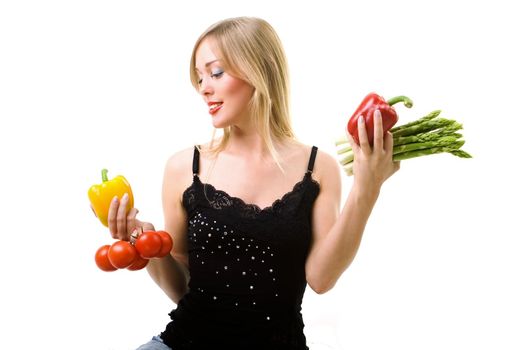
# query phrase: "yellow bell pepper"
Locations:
[[101, 195]]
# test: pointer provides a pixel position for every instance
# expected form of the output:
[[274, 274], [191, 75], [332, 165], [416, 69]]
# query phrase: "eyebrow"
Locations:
[[208, 63]]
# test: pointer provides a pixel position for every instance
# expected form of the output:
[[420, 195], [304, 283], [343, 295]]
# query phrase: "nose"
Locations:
[[205, 87]]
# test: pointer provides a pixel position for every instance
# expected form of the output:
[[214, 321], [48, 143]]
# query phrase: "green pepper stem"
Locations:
[[406, 101], [104, 175]]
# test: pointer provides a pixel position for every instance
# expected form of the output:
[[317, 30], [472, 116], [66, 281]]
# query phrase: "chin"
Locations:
[[220, 122]]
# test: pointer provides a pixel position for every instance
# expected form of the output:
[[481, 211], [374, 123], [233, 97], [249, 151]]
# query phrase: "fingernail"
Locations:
[[361, 119], [115, 199], [125, 196]]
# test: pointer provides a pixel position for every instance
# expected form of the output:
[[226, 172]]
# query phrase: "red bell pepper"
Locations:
[[370, 103]]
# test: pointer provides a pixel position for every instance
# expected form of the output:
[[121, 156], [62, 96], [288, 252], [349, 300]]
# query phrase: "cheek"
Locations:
[[240, 90]]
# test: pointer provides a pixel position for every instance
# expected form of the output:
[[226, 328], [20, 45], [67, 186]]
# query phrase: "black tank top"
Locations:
[[247, 268]]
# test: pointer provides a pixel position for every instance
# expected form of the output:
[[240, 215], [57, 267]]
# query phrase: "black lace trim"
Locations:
[[218, 199]]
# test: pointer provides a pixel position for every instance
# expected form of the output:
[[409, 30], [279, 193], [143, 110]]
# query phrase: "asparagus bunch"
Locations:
[[424, 136]]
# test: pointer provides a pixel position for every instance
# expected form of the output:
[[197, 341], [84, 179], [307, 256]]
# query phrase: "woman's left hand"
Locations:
[[373, 164]]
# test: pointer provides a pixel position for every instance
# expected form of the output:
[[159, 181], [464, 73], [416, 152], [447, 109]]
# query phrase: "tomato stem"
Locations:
[[406, 101], [104, 175]]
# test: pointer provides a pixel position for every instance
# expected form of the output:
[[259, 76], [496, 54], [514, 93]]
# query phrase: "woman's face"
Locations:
[[226, 96]]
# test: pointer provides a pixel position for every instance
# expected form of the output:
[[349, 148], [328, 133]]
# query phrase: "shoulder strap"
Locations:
[[196, 161], [312, 159]]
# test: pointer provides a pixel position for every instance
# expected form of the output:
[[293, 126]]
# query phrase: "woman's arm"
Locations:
[[171, 272], [336, 236]]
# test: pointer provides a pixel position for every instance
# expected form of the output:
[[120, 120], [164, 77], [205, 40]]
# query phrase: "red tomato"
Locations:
[[167, 244], [138, 264], [148, 244], [121, 254], [101, 259]]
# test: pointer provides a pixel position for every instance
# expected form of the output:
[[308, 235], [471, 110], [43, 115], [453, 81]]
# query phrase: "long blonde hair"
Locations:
[[251, 50]]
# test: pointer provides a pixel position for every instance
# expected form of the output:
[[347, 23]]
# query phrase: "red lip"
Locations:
[[215, 109]]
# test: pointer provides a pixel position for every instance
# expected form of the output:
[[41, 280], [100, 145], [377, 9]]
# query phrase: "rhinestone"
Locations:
[[268, 318], [214, 297], [251, 287], [253, 258], [271, 270], [244, 273], [209, 235], [226, 267]]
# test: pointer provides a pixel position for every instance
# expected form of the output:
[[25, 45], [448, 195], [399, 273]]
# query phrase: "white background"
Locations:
[[92, 84]]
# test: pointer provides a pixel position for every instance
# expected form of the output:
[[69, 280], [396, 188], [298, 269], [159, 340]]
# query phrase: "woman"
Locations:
[[266, 220]]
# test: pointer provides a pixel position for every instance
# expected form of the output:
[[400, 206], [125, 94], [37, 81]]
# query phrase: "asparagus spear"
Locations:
[[451, 141], [348, 168], [425, 126], [428, 117]]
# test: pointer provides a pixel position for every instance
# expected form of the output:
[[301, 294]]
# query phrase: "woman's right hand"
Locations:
[[121, 224]]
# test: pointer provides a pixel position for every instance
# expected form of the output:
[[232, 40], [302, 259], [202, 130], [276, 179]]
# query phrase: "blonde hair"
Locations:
[[251, 50]]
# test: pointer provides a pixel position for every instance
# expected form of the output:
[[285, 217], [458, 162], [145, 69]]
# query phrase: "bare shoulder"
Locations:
[[178, 170], [326, 167], [180, 162]]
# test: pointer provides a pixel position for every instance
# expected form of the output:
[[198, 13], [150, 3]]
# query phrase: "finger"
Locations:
[[363, 137], [352, 142], [131, 221], [112, 216], [389, 143], [378, 130], [397, 165], [122, 230]]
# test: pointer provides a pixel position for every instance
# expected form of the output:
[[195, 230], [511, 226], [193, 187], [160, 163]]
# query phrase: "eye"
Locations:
[[217, 74]]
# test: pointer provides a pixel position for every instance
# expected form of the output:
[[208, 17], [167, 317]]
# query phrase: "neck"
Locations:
[[248, 144]]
